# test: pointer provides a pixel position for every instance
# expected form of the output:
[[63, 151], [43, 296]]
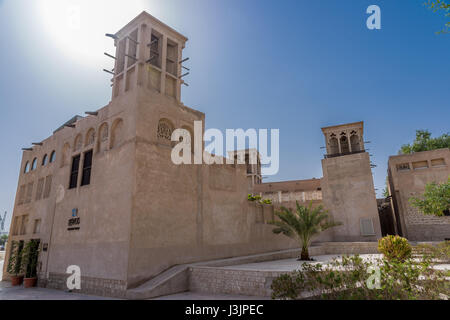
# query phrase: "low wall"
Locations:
[[213, 278], [217, 280], [428, 232]]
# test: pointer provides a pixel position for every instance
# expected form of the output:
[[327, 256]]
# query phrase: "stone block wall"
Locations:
[[235, 282], [94, 286]]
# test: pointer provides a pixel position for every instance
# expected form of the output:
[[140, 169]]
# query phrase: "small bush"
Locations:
[[254, 198], [395, 247], [287, 286], [258, 199], [352, 278]]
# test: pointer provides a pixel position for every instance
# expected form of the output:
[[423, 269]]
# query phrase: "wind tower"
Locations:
[[347, 185]]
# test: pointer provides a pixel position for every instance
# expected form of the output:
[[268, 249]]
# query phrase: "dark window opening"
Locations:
[[87, 165], [74, 172], [52, 156]]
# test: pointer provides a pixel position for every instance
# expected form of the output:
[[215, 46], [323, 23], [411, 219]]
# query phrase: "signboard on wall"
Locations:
[[74, 221]]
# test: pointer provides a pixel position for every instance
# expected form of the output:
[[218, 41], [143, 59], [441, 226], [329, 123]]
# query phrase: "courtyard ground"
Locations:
[[7, 292]]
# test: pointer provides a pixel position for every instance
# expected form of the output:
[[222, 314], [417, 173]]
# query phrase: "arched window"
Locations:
[[27, 167], [102, 140], [165, 129], [354, 141], [90, 137], [334, 146], [44, 160], [117, 134], [65, 154], [345, 148], [77, 144], [34, 164], [52, 156]]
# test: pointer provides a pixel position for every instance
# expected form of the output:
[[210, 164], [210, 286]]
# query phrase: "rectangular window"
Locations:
[[40, 188], [29, 192], [48, 186], [155, 49], [367, 227], [23, 225], [22, 191], [74, 172], [403, 167], [120, 56], [37, 226], [172, 58], [438, 162], [87, 165], [420, 165], [132, 48], [16, 226]]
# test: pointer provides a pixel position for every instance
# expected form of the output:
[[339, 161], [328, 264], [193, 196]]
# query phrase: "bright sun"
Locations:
[[78, 27]]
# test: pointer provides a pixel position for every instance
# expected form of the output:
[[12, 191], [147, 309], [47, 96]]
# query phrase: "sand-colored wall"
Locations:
[[349, 194], [188, 213], [405, 184]]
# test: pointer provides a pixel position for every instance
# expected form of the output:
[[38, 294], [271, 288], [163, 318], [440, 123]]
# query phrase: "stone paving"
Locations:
[[20, 293], [292, 264], [202, 296], [7, 292]]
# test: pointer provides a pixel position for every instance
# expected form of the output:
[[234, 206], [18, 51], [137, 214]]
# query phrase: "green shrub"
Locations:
[[259, 199], [30, 256], [351, 279], [394, 247], [287, 286], [15, 258], [253, 198]]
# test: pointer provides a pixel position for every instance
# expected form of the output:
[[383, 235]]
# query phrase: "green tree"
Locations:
[[435, 200], [386, 188], [303, 224], [3, 239], [441, 6], [424, 142]]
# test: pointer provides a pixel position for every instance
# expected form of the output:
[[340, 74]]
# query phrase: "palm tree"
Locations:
[[303, 224]]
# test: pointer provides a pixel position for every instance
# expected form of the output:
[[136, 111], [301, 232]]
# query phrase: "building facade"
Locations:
[[102, 192], [408, 175]]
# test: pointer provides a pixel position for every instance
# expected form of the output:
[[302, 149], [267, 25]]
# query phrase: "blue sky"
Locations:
[[293, 65]]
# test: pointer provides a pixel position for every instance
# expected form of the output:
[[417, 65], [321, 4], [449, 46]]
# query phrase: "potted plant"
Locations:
[[29, 262], [15, 263]]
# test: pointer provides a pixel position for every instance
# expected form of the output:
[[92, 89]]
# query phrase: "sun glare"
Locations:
[[78, 27]]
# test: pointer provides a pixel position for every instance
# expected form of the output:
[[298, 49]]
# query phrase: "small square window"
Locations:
[[403, 167]]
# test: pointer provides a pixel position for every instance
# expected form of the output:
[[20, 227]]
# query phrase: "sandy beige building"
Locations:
[[102, 192], [407, 175], [287, 193]]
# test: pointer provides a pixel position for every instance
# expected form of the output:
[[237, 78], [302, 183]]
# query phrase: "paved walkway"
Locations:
[[20, 293], [202, 296], [290, 264], [7, 292]]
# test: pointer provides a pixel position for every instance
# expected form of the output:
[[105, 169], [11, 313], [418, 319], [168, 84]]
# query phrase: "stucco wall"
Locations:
[[349, 194], [411, 183]]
